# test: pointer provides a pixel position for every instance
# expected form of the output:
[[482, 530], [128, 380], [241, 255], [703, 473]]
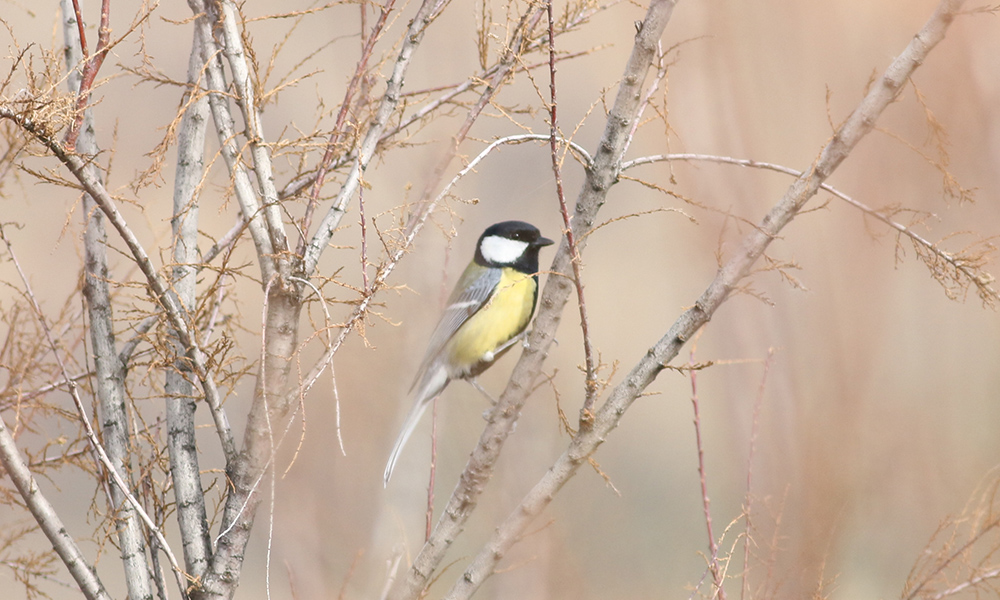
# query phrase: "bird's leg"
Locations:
[[482, 390]]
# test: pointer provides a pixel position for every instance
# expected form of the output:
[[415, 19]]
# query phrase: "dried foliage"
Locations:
[[210, 319], [962, 558]]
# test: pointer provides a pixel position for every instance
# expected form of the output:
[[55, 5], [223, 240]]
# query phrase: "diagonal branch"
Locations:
[[969, 270], [163, 295], [224, 125], [236, 56], [48, 519], [729, 276], [109, 371], [599, 178], [427, 12]]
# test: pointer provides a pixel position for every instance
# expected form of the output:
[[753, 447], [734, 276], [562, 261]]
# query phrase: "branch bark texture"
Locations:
[[181, 403], [109, 371]]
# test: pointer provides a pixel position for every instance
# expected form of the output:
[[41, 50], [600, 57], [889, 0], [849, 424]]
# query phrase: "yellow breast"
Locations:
[[507, 313]]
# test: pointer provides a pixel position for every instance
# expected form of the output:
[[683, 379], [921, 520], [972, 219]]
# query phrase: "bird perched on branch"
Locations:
[[487, 313]]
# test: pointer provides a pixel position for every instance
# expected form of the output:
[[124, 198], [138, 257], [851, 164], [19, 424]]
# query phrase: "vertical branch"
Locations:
[[181, 401], [430, 483], [109, 383], [364, 238], [586, 413], [713, 547], [90, 67], [275, 394], [747, 522], [109, 370], [225, 128], [247, 101]]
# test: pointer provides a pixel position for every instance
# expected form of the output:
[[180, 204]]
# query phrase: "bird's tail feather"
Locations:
[[431, 384]]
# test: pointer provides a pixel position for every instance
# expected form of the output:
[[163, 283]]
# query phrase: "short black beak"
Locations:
[[543, 241]]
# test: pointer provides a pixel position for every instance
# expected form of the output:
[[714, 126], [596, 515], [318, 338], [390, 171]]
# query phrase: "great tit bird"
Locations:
[[489, 309]]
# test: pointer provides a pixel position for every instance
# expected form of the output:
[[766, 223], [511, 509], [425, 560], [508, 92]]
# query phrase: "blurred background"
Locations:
[[879, 412]]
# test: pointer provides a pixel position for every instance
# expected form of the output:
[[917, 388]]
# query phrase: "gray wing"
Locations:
[[472, 291]]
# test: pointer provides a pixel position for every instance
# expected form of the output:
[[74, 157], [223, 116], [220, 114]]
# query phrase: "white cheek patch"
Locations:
[[496, 249]]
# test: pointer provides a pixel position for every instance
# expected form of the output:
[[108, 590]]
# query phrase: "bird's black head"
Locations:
[[511, 244]]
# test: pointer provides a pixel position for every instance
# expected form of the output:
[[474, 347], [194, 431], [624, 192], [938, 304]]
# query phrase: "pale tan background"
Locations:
[[881, 409]]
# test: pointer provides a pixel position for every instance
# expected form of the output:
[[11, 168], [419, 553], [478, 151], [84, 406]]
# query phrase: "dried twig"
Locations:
[[106, 462], [585, 443], [967, 266], [590, 385]]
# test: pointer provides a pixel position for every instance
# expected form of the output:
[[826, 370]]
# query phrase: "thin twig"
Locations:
[[338, 127], [90, 67], [713, 547], [748, 500], [116, 477], [431, 478], [983, 284], [590, 385]]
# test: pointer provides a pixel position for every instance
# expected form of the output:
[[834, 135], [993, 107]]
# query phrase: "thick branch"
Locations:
[[225, 128], [600, 177], [109, 371], [242, 80], [181, 402], [586, 442], [274, 397]]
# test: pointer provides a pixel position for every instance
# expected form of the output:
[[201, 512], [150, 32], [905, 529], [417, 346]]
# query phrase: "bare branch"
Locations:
[[968, 267], [713, 547], [338, 127], [586, 442], [181, 403], [599, 178], [48, 519], [74, 20], [242, 80], [429, 9], [109, 371], [224, 126], [590, 385]]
